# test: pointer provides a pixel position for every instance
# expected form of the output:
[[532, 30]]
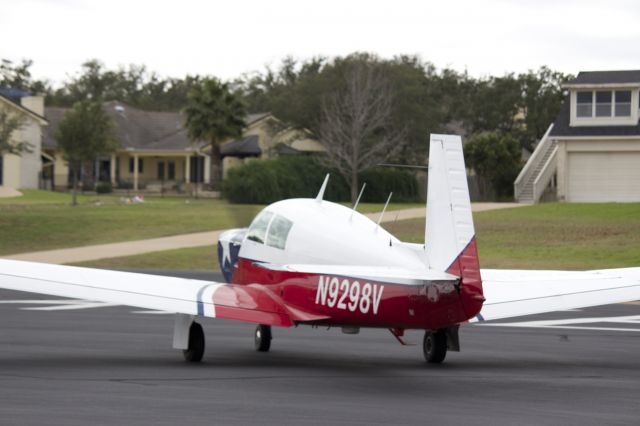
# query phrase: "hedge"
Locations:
[[267, 181]]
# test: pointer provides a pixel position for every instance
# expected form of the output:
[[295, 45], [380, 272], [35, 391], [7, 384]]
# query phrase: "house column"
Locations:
[[187, 169], [207, 169], [135, 172], [113, 169]]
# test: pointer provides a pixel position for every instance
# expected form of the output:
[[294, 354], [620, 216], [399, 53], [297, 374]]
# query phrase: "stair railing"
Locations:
[[525, 174]]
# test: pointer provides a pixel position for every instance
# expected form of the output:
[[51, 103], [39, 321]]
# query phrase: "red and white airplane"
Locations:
[[313, 262]]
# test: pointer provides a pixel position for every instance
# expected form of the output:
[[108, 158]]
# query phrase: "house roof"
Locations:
[[254, 118], [13, 94], [140, 130], [135, 129], [561, 126], [242, 147], [605, 77]]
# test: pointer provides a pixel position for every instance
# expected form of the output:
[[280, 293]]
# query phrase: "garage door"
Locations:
[[604, 176]]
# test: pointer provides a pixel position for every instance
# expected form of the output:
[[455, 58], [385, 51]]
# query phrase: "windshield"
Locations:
[[258, 229]]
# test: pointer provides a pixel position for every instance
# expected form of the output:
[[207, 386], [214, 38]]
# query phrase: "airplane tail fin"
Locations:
[[450, 234]]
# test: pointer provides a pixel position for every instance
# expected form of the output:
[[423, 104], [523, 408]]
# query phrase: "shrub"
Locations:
[[104, 188], [123, 184], [268, 181]]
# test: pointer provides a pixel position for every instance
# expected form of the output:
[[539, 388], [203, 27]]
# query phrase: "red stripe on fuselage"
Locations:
[[430, 306]]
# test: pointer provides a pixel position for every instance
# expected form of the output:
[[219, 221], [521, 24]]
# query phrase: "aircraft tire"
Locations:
[[196, 344], [434, 346], [263, 338]]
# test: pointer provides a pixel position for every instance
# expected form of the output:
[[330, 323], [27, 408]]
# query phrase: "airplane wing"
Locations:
[[254, 303], [511, 293]]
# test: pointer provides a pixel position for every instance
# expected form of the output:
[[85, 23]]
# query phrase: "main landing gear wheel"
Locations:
[[434, 346], [263, 338], [196, 344]]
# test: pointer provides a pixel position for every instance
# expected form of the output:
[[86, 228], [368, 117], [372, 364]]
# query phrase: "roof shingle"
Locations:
[[137, 129], [606, 77], [242, 147]]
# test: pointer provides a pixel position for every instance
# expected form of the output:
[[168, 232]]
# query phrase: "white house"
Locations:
[[23, 171], [591, 153]]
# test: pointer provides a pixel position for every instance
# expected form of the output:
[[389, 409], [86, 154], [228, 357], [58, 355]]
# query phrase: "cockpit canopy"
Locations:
[[270, 229]]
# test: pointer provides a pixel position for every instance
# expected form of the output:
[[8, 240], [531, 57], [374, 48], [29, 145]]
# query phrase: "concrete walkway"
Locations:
[[199, 239], [6, 192]]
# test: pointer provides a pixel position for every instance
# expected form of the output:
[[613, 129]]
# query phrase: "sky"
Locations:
[[233, 37]]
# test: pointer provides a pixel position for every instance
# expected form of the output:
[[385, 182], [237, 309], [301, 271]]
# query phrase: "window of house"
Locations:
[[278, 232], [584, 104], [140, 165], [623, 103], [603, 103], [258, 230], [171, 172]]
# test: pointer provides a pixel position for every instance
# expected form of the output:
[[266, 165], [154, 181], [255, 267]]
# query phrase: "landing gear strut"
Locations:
[[435, 346], [195, 350], [263, 338]]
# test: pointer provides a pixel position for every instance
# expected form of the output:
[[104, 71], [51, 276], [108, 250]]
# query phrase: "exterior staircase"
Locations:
[[537, 173]]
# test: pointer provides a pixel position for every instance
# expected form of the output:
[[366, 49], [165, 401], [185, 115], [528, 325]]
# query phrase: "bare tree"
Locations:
[[356, 126]]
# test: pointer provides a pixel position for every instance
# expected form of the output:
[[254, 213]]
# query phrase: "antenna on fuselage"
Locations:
[[322, 188], [355, 206], [383, 210]]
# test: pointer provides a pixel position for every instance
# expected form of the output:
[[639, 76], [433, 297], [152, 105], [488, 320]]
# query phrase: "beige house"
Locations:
[[265, 137], [591, 153], [155, 153], [23, 171]]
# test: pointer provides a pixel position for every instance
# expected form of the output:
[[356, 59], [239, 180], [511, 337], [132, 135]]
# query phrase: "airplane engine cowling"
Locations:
[[229, 245]]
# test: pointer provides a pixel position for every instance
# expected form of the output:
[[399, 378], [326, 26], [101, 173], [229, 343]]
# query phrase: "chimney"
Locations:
[[33, 103]]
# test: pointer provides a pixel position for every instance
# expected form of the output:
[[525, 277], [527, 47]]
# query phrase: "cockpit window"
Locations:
[[278, 232], [258, 229]]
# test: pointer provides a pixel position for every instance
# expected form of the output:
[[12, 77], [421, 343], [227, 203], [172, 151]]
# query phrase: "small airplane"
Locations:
[[314, 262]]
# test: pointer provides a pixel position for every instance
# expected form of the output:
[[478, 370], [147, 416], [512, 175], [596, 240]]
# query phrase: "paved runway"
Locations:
[[108, 365]]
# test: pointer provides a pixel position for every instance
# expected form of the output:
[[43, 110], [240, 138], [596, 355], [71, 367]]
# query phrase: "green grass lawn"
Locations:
[[544, 236], [195, 259], [551, 236], [43, 220]]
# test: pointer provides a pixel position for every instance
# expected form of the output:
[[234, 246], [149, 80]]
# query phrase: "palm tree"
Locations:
[[214, 114]]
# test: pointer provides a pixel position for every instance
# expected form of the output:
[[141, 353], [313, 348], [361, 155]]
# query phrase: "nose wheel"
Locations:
[[434, 346], [262, 337]]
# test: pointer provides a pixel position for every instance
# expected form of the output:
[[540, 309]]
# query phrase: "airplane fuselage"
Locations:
[[346, 298]]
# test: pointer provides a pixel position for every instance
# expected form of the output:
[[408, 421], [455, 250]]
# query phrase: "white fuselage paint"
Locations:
[[329, 233]]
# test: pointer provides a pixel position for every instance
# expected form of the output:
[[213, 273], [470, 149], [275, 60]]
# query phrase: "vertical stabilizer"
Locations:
[[450, 234], [449, 222]]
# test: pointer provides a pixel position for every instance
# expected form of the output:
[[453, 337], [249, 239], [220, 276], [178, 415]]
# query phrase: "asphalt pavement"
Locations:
[[65, 363]]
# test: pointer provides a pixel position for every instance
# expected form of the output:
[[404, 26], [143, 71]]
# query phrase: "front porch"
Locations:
[[158, 172], [140, 171]]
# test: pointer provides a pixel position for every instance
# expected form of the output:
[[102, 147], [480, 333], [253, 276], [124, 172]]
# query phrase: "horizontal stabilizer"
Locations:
[[512, 293]]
